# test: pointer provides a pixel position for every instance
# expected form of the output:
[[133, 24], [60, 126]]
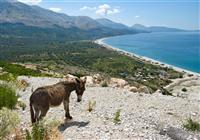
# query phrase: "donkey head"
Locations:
[[80, 88]]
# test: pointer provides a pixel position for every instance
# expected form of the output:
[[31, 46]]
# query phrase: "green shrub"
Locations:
[[38, 131], [104, 84], [117, 116], [8, 121], [192, 125], [28, 135], [8, 97], [7, 77], [184, 89], [14, 70], [47, 130]]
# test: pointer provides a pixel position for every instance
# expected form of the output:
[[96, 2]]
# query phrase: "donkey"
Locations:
[[45, 97]]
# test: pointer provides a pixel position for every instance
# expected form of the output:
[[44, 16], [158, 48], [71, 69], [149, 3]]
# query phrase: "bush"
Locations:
[[7, 77], [8, 97], [184, 89], [17, 70], [44, 130], [117, 116], [192, 125], [8, 121], [38, 131]]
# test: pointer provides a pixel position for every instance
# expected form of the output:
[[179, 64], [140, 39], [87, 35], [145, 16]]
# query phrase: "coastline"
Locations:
[[143, 58]]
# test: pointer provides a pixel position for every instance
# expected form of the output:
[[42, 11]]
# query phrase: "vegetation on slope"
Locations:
[[11, 71], [8, 97], [84, 57]]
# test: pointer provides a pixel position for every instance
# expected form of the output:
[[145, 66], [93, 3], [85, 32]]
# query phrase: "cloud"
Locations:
[[30, 2], [104, 9], [88, 8], [137, 16], [114, 11], [55, 9]]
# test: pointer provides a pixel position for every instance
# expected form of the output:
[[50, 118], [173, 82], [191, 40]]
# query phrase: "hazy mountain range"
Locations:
[[19, 19], [140, 27]]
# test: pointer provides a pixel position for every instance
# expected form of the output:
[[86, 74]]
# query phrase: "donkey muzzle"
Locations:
[[79, 98]]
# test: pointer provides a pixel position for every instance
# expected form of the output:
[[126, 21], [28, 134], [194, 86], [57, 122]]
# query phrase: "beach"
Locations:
[[143, 58]]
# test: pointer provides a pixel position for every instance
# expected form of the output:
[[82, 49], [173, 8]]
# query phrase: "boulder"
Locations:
[[69, 77], [97, 78], [179, 134], [116, 82], [143, 89], [89, 81], [133, 89]]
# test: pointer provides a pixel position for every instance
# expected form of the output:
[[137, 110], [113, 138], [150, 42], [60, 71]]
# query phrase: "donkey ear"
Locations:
[[84, 79], [78, 80]]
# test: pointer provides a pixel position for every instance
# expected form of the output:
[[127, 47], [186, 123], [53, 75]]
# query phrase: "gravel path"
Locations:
[[142, 115]]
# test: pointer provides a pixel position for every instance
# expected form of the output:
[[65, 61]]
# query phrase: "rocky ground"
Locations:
[[142, 115]]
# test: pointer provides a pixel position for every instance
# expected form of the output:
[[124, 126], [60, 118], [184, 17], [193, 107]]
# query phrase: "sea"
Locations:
[[179, 49]]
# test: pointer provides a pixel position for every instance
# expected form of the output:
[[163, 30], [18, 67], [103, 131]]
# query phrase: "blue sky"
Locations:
[[172, 13]]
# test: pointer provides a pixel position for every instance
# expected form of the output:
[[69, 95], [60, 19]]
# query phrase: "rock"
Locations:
[[116, 82], [141, 114], [97, 78], [143, 89], [178, 134], [133, 89], [89, 81], [69, 77]]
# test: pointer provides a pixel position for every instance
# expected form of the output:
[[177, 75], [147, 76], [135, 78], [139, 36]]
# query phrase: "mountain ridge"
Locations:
[[35, 22], [156, 28]]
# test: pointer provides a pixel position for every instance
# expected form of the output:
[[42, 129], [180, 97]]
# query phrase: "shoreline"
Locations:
[[143, 58]]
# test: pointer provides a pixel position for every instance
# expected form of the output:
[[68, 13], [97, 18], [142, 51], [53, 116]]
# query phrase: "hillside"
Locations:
[[85, 57], [111, 24], [142, 116], [115, 110], [141, 27], [25, 21]]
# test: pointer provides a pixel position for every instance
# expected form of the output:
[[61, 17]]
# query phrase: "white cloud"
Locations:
[[137, 16], [114, 11], [88, 8], [30, 2], [104, 9], [55, 9]]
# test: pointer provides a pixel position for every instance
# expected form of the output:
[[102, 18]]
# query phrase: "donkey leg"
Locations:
[[66, 107], [43, 112], [37, 113]]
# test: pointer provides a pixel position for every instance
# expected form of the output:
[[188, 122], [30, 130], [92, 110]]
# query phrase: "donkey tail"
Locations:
[[33, 119]]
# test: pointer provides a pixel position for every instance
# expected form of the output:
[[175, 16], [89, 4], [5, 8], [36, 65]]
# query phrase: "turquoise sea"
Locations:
[[180, 49]]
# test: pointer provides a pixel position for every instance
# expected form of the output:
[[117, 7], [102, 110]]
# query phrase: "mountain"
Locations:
[[16, 12], [110, 24], [141, 27], [21, 20]]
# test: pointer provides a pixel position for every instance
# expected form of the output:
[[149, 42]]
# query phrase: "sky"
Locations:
[[171, 13]]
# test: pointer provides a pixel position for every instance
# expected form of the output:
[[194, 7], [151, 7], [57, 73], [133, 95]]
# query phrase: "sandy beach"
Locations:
[[152, 61]]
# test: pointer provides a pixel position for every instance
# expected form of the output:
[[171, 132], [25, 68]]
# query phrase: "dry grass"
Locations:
[[91, 105]]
